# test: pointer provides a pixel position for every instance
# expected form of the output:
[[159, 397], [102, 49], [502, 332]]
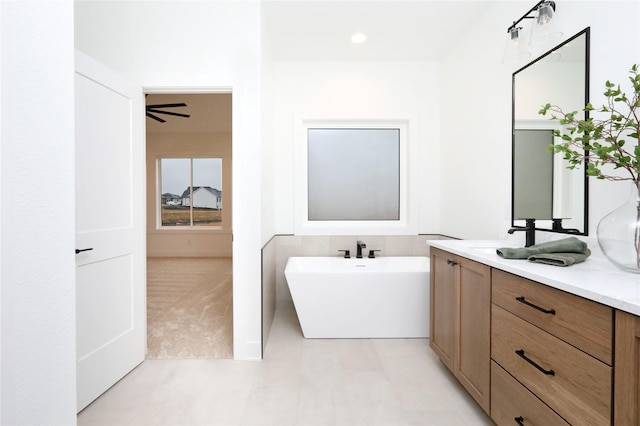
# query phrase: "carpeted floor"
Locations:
[[189, 308]]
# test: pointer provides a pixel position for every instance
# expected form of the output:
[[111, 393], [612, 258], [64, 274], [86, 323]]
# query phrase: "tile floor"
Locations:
[[299, 382]]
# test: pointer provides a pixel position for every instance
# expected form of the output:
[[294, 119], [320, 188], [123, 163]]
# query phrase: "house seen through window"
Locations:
[[191, 192]]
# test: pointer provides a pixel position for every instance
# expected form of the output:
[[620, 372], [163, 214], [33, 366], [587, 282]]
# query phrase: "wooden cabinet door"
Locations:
[[626, 400], [442, 336], [472, 361], [461, 319]]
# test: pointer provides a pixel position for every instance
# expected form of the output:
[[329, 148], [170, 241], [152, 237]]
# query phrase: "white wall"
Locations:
[[476, 123], [37, 271], [476, 111], [269, 208], [1, 208], [360, 91], [615, 46], [171, 44]]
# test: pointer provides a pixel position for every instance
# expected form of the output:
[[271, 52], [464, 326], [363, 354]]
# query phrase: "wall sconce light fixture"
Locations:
[[543, 32], [515, 49]]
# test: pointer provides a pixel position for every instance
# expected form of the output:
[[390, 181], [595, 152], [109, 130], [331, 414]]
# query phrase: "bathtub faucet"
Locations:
[[361, 245], [372, 254]]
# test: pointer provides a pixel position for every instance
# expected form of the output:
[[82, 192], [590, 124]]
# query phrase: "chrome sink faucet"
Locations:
[[361, 245]]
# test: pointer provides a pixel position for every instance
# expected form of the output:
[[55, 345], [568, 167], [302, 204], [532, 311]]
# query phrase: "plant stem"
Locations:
[[636, 237]]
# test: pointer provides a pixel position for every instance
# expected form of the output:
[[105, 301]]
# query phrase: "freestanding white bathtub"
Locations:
[[386, 297]]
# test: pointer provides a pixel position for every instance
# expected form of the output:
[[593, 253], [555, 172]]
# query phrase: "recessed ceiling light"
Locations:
[[358, 38]]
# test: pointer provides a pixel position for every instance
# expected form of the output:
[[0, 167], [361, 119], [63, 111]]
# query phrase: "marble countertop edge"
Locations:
[[594, 279]]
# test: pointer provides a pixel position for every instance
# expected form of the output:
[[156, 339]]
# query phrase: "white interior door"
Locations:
[[110, 228]]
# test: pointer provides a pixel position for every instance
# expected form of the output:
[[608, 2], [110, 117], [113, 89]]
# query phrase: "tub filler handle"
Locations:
[[372, 254], [347, 255]]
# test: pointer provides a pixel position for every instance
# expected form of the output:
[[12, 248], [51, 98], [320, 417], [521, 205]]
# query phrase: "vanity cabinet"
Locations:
[[558, 346], [627, 372], [511, 404], [532, 354], [460, 321], [443, 300]]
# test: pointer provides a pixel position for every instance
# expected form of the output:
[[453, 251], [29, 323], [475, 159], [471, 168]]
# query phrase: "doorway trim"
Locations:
[[238, 299]]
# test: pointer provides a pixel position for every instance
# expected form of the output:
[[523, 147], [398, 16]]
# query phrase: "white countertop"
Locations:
[[595, 279]]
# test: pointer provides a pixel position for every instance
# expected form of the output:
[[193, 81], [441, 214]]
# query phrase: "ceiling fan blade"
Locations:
[[155, 118], [167, 105], [156, 111]]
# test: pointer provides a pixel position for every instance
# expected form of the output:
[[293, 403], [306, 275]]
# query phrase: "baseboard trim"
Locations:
[[253, 351]]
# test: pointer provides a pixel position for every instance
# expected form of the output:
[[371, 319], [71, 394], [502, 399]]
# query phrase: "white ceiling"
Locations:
[[319, 30], [395, 29]]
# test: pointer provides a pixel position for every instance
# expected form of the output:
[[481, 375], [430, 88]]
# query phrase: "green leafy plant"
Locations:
[[600, 141], [602, 138]]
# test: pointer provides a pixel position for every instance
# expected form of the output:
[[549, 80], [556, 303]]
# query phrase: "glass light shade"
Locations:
[[545, 14], [544, 31], [515, 50]]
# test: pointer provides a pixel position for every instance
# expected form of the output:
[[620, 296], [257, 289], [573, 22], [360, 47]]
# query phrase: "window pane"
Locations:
[[175, 185], [207, 191], [354, 174], [532, 174]]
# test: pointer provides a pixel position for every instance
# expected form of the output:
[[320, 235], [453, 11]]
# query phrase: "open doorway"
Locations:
[[189, 210]]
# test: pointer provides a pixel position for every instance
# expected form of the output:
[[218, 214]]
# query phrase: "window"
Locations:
[[353, 174], [191, 192], [352, 178]]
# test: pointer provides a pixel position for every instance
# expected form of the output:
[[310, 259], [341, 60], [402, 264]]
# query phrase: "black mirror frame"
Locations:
[[587, 33]]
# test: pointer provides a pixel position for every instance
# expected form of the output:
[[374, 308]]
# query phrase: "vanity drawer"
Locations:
[[510, 400], [574, 384], [583, 323]]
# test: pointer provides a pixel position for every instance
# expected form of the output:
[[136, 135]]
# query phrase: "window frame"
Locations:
[[158, 204], [407, 222]]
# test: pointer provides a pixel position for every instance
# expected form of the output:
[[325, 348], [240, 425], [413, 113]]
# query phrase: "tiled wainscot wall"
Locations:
[[280, 248]]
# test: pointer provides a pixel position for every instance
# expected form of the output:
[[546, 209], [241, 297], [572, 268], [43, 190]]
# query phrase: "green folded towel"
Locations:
[[560, 259], [566, 245]]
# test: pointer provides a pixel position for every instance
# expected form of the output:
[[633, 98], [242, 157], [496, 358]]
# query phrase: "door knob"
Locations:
[[81, 250]]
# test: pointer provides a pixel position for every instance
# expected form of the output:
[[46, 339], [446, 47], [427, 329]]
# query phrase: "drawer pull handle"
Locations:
[[520, 353], [519, 420], [521, 299], [451, 262]]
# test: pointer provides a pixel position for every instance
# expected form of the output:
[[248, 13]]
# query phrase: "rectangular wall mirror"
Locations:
[[543, 187]]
